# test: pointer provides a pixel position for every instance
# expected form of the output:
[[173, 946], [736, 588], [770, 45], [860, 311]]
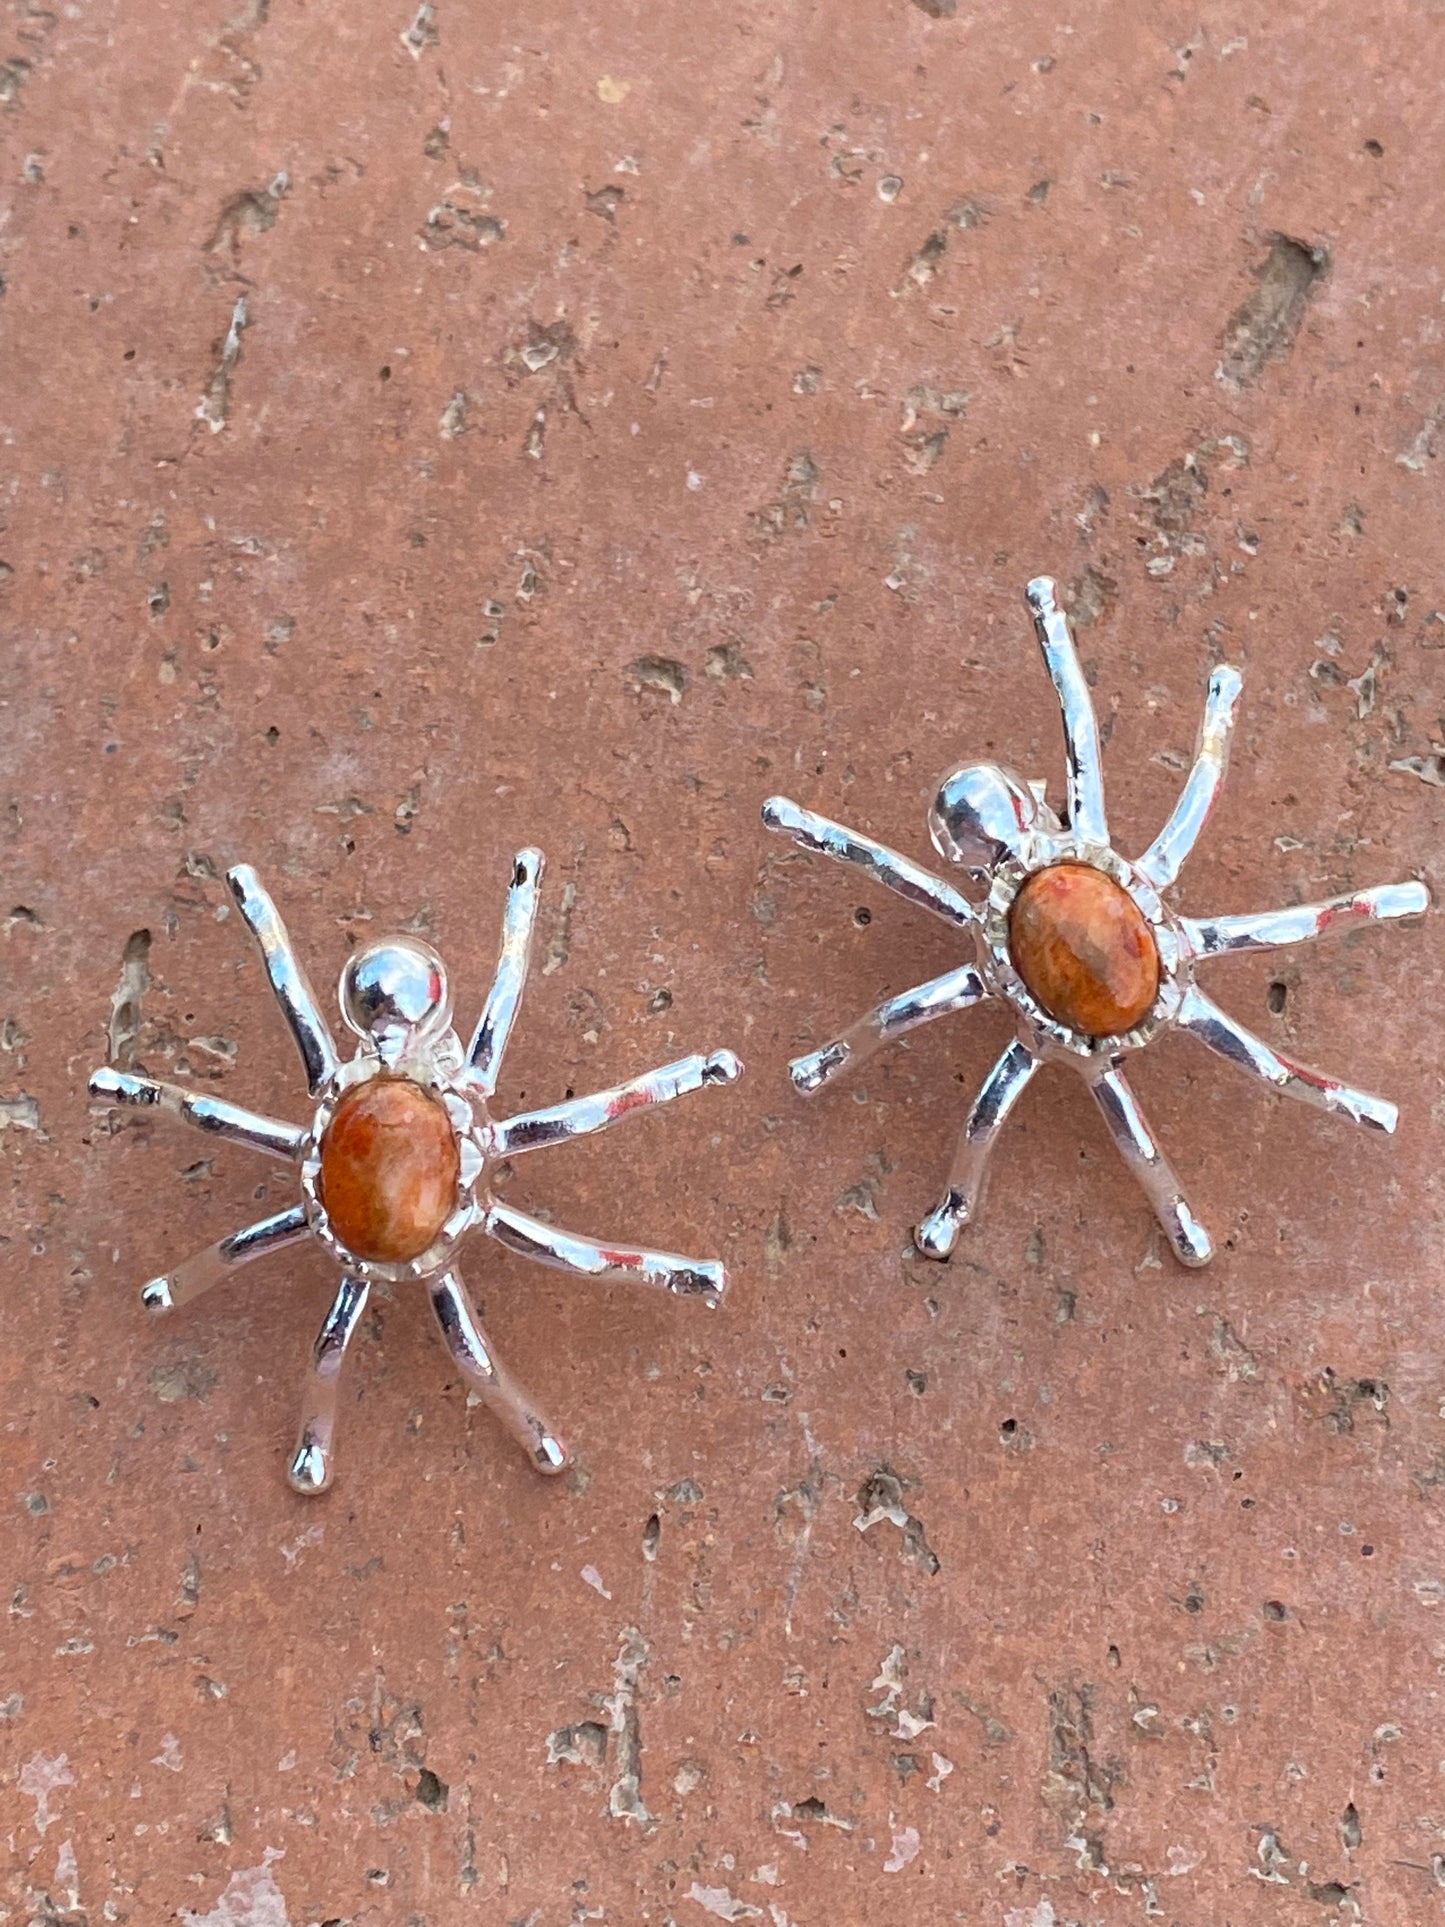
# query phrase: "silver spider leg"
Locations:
[[312, 1464], [1214, 1028], [474, 1357], [701, 1278], [494, 1026], [1087, 819], [211, 1114], [954, 990], [580, 1116], [885, 866], [1273, 929], [938, 1234], [288, 978], [1162, 861], [217, 1261], [1140, 1151]]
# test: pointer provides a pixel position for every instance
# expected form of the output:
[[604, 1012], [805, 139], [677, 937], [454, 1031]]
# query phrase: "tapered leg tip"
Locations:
[[708, 1282], [550, 1456], [779, 812], [1226, 683], [937, 1236], [310, 1470], [723, 1067], [1414, 898], [527, 866], [103, 1083], [812, 1072], [1192, 1243], [156, 1296], [1040, 595]]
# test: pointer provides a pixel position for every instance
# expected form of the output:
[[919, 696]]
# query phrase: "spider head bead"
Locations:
[[395, 994], [983, 814]]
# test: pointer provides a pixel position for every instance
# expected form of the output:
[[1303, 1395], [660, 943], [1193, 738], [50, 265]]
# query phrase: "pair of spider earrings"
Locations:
[[1075, 939]]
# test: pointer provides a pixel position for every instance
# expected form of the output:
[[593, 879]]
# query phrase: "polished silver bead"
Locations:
[[981, 815], [395, 988]]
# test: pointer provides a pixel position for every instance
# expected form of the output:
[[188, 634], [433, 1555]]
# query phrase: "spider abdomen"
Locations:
[[1084, 949], [390, 1165]]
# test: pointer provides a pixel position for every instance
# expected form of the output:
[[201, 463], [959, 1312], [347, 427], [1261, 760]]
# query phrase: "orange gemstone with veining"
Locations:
[[1084, 949], [389, 1169]]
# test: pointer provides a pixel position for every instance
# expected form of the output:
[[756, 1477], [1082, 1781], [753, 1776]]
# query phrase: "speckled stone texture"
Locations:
[[429, 434]]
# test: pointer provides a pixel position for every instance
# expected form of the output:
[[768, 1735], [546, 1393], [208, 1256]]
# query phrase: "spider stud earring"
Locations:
[[396, 1161], [1080, 945]]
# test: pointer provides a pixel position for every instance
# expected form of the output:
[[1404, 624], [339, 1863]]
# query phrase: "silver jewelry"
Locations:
[[439, 1139], [1002, 833]]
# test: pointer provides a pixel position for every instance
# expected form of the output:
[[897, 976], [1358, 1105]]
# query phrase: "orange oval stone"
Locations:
[[1084, 948], [389, 1169]]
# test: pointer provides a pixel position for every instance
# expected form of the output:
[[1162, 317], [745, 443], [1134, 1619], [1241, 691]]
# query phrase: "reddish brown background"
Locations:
[[749, 467]]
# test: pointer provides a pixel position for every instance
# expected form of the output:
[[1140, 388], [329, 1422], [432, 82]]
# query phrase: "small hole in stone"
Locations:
[[1374, 150], [1008, 1430], [862, 916], [432, 1792], [1367, 1552], [1115, 1658], [1276, 996], [1275, 1609]]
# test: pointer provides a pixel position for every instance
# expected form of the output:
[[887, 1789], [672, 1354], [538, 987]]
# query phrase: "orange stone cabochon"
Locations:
[[389, 1169], [1084, 949]]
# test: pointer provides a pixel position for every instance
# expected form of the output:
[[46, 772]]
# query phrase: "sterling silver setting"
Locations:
[[395, 999], [1000, 831]]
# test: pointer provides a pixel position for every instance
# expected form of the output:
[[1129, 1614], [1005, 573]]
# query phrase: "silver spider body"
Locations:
[[999, 832], [395, 999]]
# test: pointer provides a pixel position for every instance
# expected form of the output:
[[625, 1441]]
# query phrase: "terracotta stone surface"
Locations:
[[1084, 949], [432, 432], [389, 1166]]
